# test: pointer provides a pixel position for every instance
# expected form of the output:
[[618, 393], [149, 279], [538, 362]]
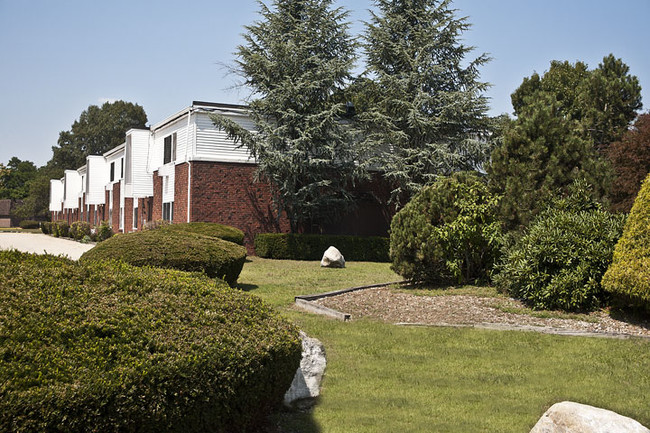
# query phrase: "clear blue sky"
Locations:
[[59, 57]]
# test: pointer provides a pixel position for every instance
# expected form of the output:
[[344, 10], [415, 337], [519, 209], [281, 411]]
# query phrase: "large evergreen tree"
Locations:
[[428, 110], [566, 119], [296, 61], [98, 130]]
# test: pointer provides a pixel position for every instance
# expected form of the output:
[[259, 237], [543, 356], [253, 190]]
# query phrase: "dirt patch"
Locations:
[[394, 306]]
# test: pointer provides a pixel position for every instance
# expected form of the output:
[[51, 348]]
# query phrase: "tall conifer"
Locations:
[[428, 109], [296, 60]]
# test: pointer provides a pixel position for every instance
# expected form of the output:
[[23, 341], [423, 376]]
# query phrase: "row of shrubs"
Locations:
[[106, 346], [78, 230], [214, 249], [292, 246], [451, 231]]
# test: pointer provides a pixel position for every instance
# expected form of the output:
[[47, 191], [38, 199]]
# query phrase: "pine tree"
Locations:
[[566, 119], [297, 60], [428, 109]]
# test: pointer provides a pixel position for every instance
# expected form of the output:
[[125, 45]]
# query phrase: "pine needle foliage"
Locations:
[[428, 108], [296, 60]]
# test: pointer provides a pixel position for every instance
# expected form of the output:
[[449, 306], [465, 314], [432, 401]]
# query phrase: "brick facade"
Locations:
[[226, 193], [180, 192], [157, 197], [115, 220]]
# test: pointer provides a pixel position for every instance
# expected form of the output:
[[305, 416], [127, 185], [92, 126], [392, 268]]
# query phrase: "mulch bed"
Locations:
[[396, 306]]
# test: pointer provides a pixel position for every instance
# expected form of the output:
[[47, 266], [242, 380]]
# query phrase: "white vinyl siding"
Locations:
[[96, 180], [138, 181], [72, 189], [56, 195], [158, 149], [214, 145]]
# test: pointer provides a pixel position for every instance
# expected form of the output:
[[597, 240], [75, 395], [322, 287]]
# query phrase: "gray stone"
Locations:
[[332, 258], [305, 388], [570, 417]]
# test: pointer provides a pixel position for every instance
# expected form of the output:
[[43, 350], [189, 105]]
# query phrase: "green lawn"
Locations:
[[385, 378]]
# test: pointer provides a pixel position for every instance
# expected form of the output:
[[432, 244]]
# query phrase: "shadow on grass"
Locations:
[[247, 287], [295, 422]]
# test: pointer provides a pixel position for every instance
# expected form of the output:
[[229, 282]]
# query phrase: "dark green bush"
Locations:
[[311, 247], [449, 231], [61, 229], [628, 277], [103, 231], [29, 224], [220, 231], [46, 227], [559, 261], [174, 250], [108, 347], [79, 229]]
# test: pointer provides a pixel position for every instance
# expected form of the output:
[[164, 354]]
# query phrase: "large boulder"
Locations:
[[305, 387], [332, 258], [570, 417]]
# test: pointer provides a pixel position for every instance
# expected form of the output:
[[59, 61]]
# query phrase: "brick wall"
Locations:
[[225, 193], [157, 193], [115, 222], [128, 214], [180, 193]]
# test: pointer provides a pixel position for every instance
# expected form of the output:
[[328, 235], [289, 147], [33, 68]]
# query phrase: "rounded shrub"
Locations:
[[559, 261], [448, 231], [62, 229], [29, 224], [103, 231], [111, 347], [174, 250], [46, 227], [628, 277], [79, 229], [214, 230]]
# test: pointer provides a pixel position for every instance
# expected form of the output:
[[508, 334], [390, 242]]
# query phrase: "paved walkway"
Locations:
[[43, 244]]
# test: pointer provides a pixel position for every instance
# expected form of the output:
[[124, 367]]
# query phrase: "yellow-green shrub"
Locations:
[[628, 277]]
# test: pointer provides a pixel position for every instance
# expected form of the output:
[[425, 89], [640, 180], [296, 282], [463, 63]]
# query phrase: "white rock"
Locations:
[[332, 258], [305, 387], [570, 417]]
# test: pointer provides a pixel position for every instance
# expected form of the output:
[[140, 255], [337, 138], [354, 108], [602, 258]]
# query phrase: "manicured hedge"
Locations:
[[311, 247], [220, 231], [174, 250], [108, 347], [29, 224], [628, 277]]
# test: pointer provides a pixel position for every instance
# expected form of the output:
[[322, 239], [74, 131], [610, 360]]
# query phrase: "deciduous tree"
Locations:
[[630, 158]]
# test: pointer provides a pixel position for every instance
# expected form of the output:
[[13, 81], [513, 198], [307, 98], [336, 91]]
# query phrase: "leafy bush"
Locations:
[[311, 247], [174, 250], [79, 229], [46, 227], [220, 231], [561, 258], [29, 224], [61, 229], [109, 347], [628, 277], [103, 231], [448, 231]]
